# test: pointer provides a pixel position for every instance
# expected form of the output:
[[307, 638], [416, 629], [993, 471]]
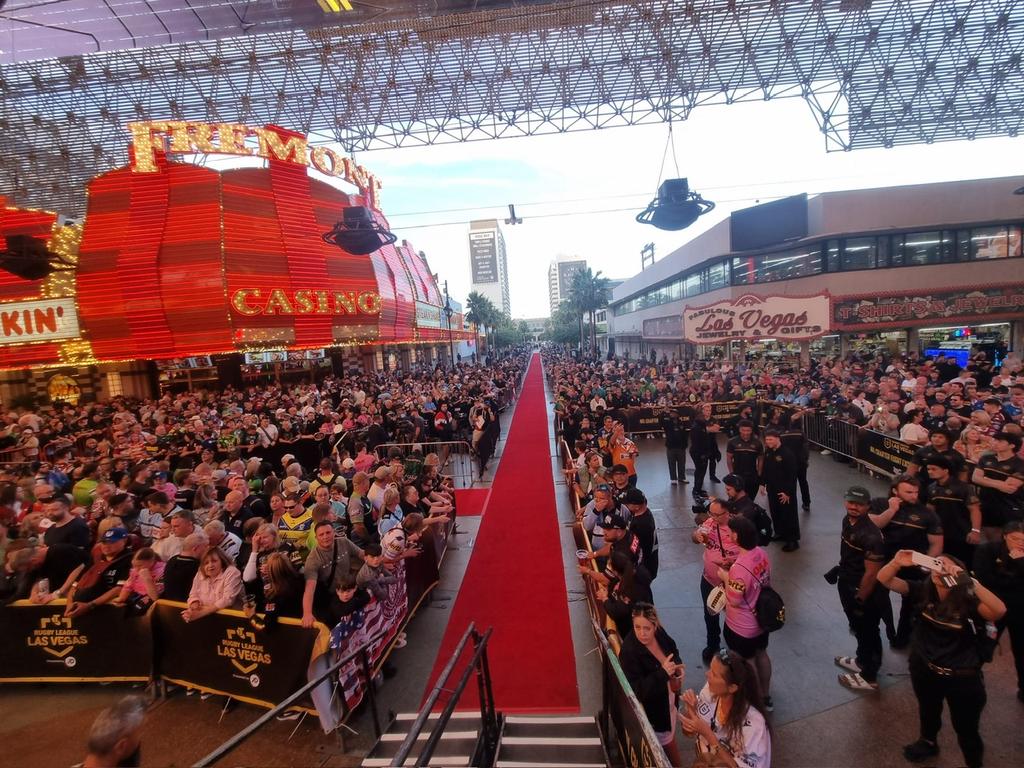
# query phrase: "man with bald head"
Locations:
[[235, 513]]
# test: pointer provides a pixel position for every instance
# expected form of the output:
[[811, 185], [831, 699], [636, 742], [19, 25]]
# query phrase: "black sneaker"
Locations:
[[920, 750], [708, 654], [791, 546]]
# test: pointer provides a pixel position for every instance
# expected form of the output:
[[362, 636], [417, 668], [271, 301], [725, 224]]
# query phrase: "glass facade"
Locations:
[[909, 249]]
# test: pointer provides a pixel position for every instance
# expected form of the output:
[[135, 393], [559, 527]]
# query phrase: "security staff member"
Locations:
[[999, 565], [861, 554], [641, 523], [779, 478], [704, 446], [677, 438], [958, 509], [793, 439], [939, 445], [907, 524], [1000, 480], [944, 661], [745, 456]]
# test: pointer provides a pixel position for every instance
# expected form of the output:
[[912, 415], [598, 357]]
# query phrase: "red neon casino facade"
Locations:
[[179, 267]]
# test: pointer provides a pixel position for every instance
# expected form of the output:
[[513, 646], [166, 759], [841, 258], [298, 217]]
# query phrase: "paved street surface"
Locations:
[[816, 722]]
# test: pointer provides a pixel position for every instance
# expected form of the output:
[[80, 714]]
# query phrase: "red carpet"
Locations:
[[470, 502], [515, 581]]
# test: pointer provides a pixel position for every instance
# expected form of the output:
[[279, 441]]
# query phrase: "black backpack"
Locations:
[[770, 609]]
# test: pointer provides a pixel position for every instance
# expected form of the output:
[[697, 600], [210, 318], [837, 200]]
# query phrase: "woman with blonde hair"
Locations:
[[204, 504], [217, 585]]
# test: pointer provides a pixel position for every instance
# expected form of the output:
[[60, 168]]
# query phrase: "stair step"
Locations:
[[426, 735], [459, 715], [574, 741], [555, 728], [557, 752], [523, 764], [442, 762], [541, 720]]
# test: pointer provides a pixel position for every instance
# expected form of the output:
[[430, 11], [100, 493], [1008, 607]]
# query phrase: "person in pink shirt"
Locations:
[[217, 585], [364, 460], [720, 551], [743, 582], [145, 580]]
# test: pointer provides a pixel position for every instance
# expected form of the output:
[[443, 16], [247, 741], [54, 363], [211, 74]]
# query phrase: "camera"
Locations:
[[701, 504]]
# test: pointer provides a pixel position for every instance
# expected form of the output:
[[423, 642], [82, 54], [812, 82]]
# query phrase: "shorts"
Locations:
[[747, 647]]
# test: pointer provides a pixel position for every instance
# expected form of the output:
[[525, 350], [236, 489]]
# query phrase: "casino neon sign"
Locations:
[[274, 143], [252, 301]]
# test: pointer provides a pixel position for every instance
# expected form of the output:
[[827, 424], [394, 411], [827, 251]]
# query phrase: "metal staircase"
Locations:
[[459, 744]]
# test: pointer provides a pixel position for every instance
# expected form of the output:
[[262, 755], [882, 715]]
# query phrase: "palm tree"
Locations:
[[588, 293], [481, 312]]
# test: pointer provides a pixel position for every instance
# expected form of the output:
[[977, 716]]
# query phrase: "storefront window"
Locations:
[[718, 275], [859, 253], [994, 243], [693, 284], [832, 254], [920, 248]]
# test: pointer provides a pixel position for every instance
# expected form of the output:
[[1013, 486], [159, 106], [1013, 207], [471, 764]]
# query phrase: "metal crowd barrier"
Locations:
[[836, 435], [456, 458]]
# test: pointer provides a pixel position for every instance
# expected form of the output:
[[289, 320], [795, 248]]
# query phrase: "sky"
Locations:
[[578, 193]]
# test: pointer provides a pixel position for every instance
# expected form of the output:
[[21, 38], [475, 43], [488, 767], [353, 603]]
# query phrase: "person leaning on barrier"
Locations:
[[328, 564], [999, 565], [115, 738], [951, 610], [217, 585], [102, 582]]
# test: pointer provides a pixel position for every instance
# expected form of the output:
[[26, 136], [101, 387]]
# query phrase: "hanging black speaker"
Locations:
[[358, 232], [675, 207], [26, 257]]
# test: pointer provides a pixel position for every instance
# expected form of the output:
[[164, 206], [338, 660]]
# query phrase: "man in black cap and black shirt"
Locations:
[[677, 438], [642, 524], [620, 483], [907, 524], [617, 537], [958, 509], [745, 456], [1000, 480], [861, 556]]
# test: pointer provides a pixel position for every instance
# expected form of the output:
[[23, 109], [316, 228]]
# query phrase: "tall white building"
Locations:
[[488, 261], [560, 274]]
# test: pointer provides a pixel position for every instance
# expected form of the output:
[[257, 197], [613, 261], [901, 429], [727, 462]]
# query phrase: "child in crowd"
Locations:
[[374, 576], [145, 581]]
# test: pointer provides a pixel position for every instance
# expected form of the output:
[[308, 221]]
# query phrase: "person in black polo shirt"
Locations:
[[907, 524], [103, 581], [1000, 479], [745, 456], [939, 445], [617, 538], [620, 483], [999, 565], [958, 509], [861, 554], [793, 439], [677, 438], [945, 664], [704, 446], [779, 478], [641, 523], [739, 502]]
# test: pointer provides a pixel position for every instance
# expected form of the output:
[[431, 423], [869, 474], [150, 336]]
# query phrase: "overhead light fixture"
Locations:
[[26, 257], [675, 207], [358, 232]]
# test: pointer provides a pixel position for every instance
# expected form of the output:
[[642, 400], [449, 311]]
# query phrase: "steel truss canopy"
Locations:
[[876, 73]]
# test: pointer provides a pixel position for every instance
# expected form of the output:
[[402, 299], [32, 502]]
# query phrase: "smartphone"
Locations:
[[923, 560]]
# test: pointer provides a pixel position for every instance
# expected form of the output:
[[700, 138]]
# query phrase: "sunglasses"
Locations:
[[291, 506]]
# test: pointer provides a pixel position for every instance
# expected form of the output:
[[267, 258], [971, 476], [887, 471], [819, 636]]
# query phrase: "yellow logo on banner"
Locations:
[[241, 647], [56, 636]]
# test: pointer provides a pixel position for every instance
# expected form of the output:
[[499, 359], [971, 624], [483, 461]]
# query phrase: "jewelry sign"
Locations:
[[751, 317]]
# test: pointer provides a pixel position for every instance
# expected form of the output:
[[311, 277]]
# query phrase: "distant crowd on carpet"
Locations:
[[129, 501], [949, 539]]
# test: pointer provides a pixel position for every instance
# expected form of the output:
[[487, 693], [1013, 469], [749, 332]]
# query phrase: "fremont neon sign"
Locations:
[[274, 143]]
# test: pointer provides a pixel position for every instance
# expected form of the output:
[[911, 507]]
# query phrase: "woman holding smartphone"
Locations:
[[649, 659], [950, 611], [726, 719]]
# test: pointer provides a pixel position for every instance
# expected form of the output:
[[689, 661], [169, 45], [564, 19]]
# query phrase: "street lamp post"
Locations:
[[448, 312]]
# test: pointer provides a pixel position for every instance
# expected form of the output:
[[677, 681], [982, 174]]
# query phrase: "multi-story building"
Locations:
[[917, 268], [488, 261], [560, 273]]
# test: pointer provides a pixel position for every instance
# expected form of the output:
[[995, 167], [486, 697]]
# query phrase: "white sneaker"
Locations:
[[848, 663], [855, 682], [826, 452]]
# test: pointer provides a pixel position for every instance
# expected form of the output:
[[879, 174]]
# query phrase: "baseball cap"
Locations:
[[348, 464], [634, 496], [612, 520], [857, 494], [620, 468], [938, 460], [115, 534]]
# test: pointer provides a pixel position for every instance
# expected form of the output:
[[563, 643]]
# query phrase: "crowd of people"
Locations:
[[948, 540], [199, 496]]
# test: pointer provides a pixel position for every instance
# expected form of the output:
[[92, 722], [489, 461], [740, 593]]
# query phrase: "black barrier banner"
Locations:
[[230, 654], [884, 453], [727, 410], [38, 643], [647, 418], [637, 744]]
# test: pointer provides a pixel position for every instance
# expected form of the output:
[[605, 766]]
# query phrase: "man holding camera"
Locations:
[[861, 556]]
